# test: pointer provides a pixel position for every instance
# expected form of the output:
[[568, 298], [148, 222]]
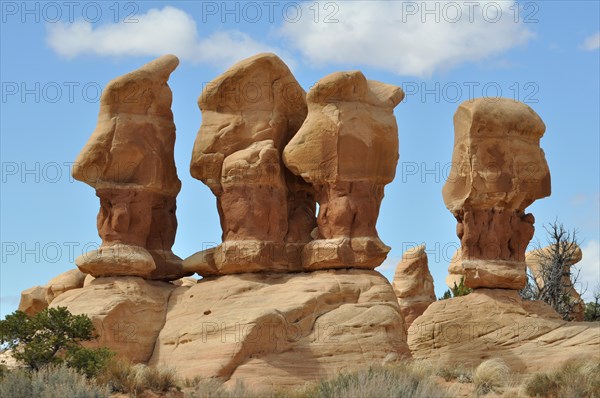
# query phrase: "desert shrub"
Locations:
[[455, 372], [576, 379], [157, 379], [90, 362], [16, 383], [456, 291], [133, 379], [52, 336], [213, 388], [49, 382], [490, 376], [390, 381]]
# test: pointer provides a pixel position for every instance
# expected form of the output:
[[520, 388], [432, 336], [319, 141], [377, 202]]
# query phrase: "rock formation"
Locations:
[[413, 284], [127, 312], [276, 330], [498, 170], [347, 149], [129, 161], [497, 323], [37, 298], [249, 114], [535, 257], [455, 270]]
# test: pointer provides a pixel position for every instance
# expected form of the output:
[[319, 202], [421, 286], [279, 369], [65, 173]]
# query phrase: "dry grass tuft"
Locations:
[[490, 376], [576, 379]]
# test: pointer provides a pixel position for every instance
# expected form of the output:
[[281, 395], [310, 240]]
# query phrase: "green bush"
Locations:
[[88, 361], [457, 291], [52, 336], [50, 382]]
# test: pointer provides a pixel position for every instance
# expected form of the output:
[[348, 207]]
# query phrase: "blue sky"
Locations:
[[57, 56]]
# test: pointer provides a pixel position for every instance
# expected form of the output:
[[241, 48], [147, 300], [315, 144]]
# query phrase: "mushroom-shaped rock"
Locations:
[[129, 161], [347, 149], [249, 114], [498, 170], [539, 259], [413, 284]]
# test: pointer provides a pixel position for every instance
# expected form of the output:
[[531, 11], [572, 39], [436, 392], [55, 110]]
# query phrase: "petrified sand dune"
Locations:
[[281, 329]]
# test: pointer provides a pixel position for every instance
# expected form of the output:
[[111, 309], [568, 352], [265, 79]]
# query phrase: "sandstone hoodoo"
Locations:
[[498, 170], [129, 161], [249, 114], [290, 296], [413, 284], [536, 259], [347, 149]]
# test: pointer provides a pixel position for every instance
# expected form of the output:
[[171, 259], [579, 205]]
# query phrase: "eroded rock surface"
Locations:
[[281, 329], [129, 161], [347, 149], [413, 284], [498, 170], [37, 298], [128, 313], [497, 323]]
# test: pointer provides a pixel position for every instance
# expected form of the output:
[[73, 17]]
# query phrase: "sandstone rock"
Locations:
[[347, 149], [498, 170], [249, 113], [128, 313], [72, 279], [281, 330], [133, 141], [185, 282], [88, 280], [455, 270], [117, 260], [497, 323], [129, 161], [413, 284], [34, 300], [38, 298], [534, 259]]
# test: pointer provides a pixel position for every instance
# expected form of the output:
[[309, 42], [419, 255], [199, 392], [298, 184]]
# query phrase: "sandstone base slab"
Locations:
[[366, 253], [235, 257], [494, 274], [490, 323], [117, 260], [281, 329], [128, 313]]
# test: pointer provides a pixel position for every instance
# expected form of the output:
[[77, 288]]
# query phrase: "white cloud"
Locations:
[[157, 32], [592, 42], [395, 37], [589, 276]]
